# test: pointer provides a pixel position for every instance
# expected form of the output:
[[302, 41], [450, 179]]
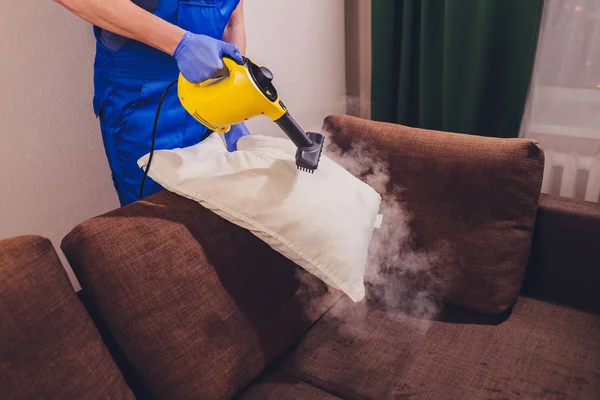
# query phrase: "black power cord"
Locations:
[[160, 103]]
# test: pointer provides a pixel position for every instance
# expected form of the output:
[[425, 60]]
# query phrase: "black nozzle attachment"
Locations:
[[309, 146], [307, 158]]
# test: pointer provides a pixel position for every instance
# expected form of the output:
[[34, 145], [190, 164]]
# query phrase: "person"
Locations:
[[141, 47]]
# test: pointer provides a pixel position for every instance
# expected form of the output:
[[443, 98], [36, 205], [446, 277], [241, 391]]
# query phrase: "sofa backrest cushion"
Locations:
[[49, 346], [197, 305], [564, 266], [478, 195]]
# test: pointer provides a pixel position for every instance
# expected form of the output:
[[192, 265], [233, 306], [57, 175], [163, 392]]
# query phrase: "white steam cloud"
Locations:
[[403, 282]]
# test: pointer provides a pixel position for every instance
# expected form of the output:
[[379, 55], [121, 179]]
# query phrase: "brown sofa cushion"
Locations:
[[198, 305], [280, 386], [540, 351], [564, 266], [49, 347], [476, 194]]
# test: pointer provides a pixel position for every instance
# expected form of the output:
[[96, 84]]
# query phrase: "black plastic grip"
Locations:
[[293, 131], [238, 62]]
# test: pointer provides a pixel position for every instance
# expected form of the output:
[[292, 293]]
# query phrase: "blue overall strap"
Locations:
[[114, 42], [139, 61], [167, 10]]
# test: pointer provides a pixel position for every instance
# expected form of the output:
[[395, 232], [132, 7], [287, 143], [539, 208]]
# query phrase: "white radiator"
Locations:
[[572, 175]]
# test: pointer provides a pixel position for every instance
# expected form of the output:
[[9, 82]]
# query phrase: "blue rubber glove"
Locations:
[[235, 133], [200, 57]]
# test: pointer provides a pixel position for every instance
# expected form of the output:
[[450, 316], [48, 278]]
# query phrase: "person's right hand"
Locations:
[[200, 57]]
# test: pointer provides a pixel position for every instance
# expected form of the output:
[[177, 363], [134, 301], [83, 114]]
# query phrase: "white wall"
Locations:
[[358, 57], [302, 43], [53, 171]]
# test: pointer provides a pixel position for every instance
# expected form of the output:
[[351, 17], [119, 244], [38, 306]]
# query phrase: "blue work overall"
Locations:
[[129, 82]]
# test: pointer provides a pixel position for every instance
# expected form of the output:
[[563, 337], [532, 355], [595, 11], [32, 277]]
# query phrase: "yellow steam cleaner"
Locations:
[[241, 91]]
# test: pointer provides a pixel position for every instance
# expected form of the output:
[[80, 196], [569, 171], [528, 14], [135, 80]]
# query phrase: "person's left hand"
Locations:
[[235, 133]]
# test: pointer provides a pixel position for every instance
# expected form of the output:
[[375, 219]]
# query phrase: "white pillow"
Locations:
[[322, 221]]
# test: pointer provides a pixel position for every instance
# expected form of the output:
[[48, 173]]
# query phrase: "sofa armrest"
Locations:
[[49, 346], [475, 196], [564, 266]]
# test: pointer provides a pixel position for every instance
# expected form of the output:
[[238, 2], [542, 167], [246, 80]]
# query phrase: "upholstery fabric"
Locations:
[[476, 195], [198, 305], [565, 257], [280, 386], [323, 221], [49, 347], [540, 351]]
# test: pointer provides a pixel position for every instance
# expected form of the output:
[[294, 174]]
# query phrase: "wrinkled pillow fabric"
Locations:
[[322, 221]]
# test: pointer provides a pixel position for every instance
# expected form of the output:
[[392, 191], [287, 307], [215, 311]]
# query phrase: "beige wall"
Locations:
[[302, 42], [358, 57], [53, 172]]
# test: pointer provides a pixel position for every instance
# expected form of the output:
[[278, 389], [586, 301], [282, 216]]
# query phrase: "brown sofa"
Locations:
[[190, 306]]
